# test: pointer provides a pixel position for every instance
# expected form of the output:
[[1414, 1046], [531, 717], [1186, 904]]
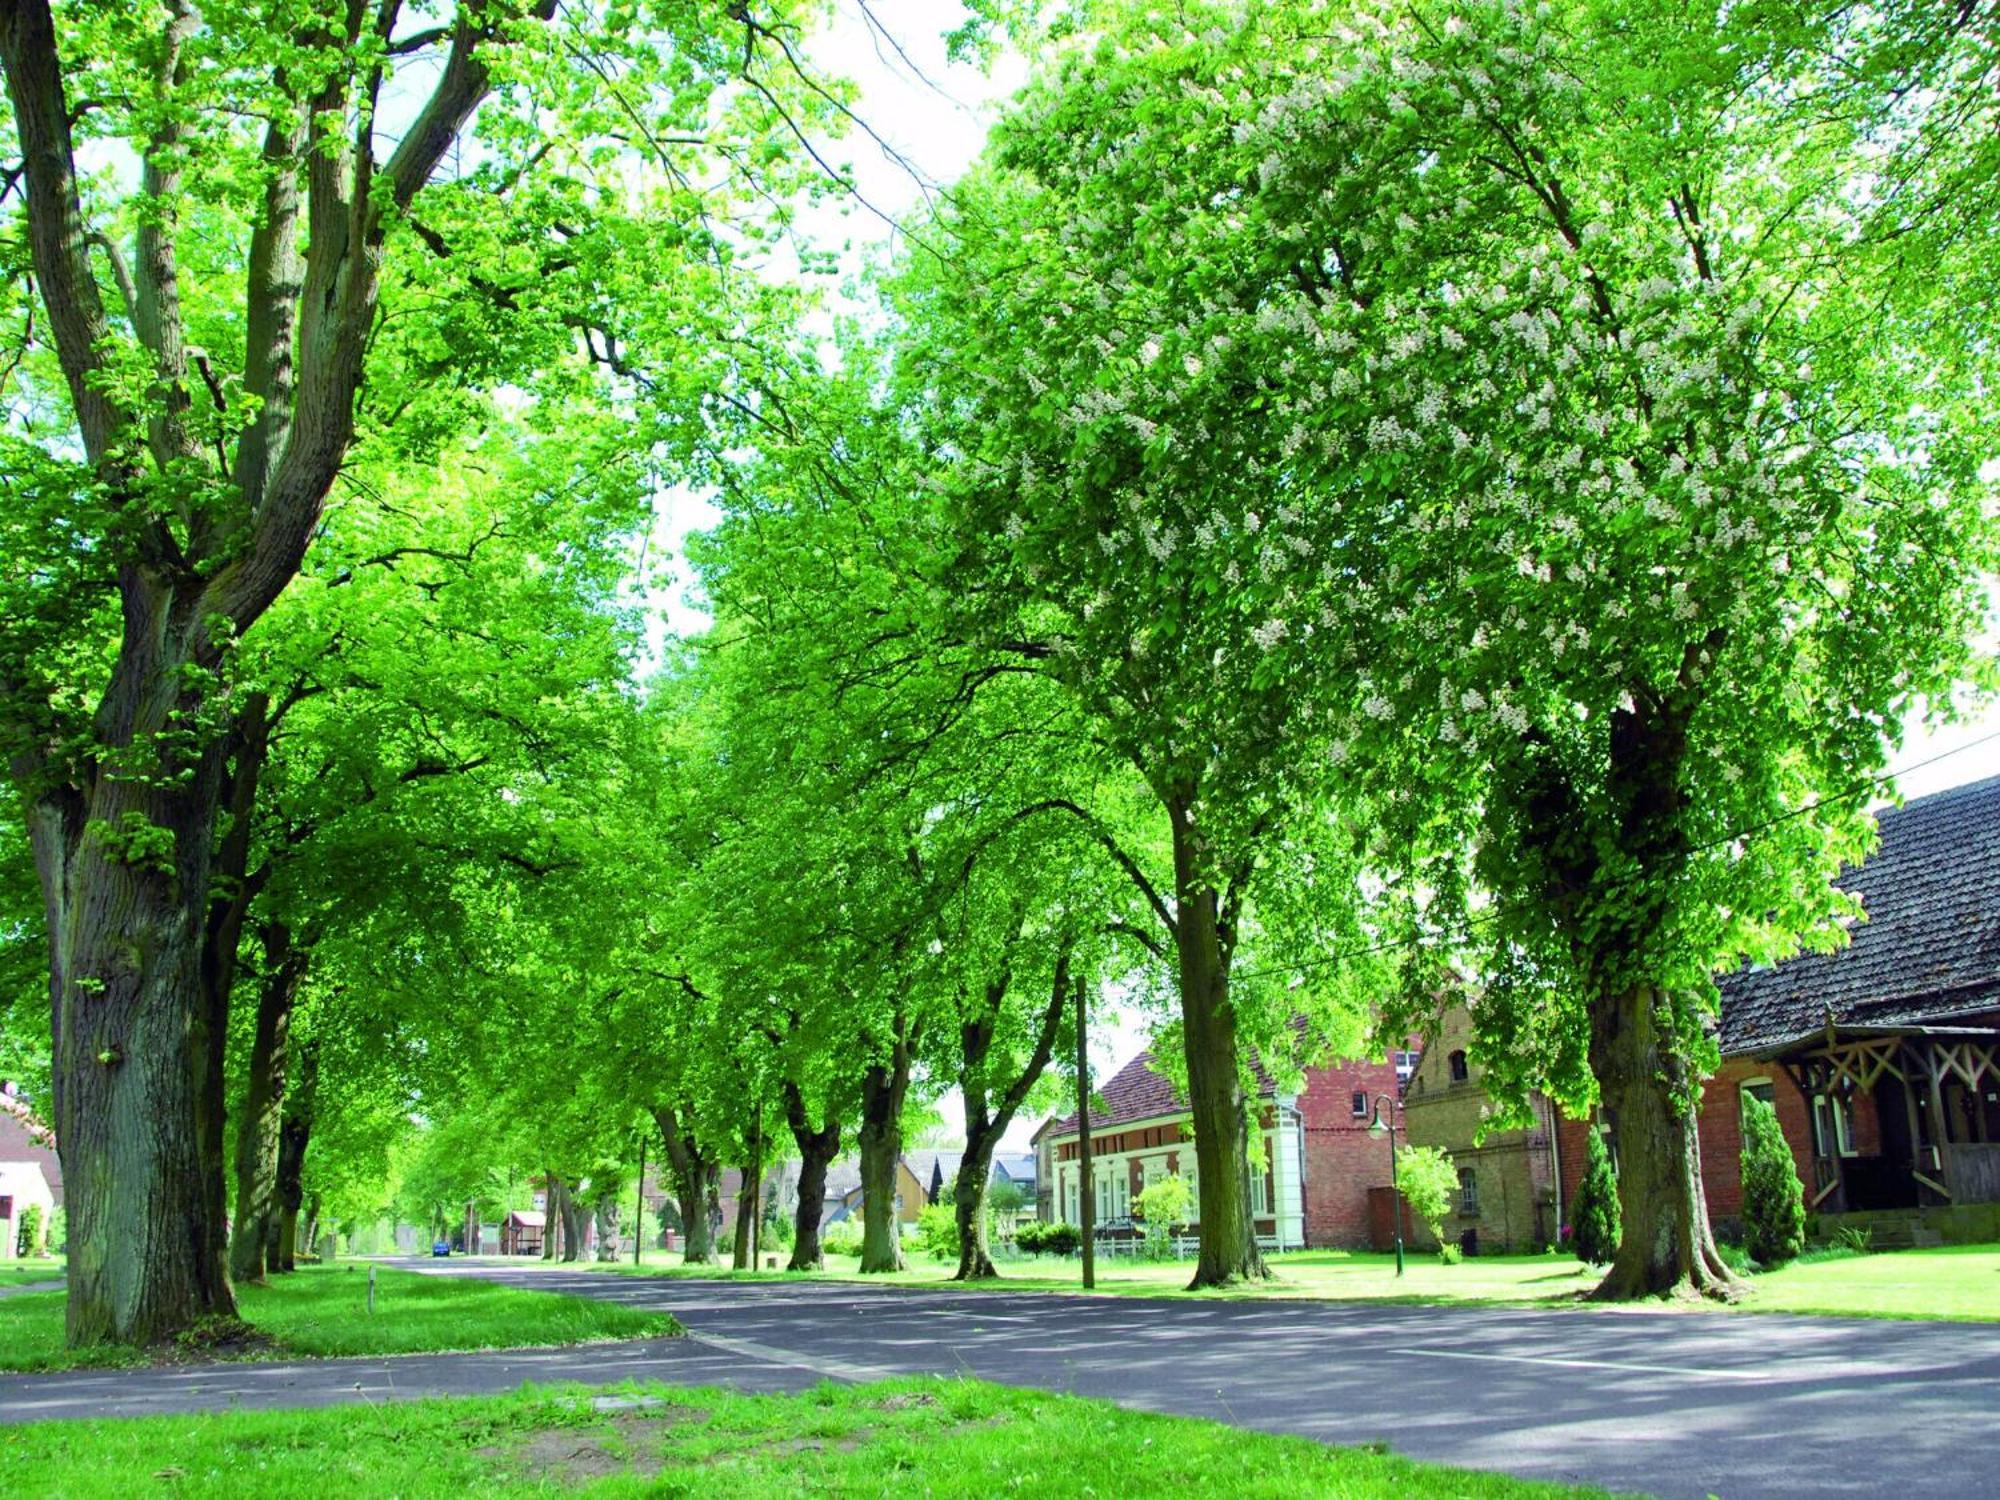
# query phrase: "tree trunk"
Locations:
[[986, 1120], [881, 1143], [135, 1044], [311, 1236], [257, 1128], [551, 1214], [1086, 1205], [294, 1135], [1220, 1109], [1667, 1246], [572, 1223], [817, 1149], [746, 1212], [607, 1227], [694, 1185]]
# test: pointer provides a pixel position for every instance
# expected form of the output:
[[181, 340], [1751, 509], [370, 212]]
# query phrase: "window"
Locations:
[[1833, 1125], [1754, 1088], [1406, 1065], [1468, 1192], [1460, 1071], [1360, 1105], [1260, 1198], [6, 1208]]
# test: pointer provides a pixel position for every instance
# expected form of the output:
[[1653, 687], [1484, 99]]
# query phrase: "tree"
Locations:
[[1689, 526], [1427, 1181], [1086, 337], [212, 405], [1774, 1200], [1594, 1218]]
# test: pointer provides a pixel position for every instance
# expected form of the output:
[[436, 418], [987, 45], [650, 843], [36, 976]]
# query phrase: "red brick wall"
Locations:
[[1720, 1126], [1342, 1160]]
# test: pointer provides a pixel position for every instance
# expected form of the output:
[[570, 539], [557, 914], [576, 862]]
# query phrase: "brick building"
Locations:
[[1882, 1058], [1507, 1198], [1319, 1160]]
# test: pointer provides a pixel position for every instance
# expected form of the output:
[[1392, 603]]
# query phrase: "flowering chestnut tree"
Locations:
[[1688, 531], [1134, 486]]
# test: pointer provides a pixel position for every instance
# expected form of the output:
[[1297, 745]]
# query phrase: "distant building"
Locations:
[[1882, 1060], [30, 1170], [1319, 1159]]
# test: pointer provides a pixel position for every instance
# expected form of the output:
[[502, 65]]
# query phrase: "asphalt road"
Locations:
[[1670, 1404]]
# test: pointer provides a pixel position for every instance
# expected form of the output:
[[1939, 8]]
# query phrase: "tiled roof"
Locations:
[[1136, 1092], [1929, 949]]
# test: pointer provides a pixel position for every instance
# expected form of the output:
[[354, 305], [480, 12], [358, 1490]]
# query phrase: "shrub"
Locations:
[[937, 1231], [1449, 1255], [1427, 1179], [28, 1240], [1037, 1238], [1774, 1200], [843, 1238], [1594, 1215], [1163, 1208]]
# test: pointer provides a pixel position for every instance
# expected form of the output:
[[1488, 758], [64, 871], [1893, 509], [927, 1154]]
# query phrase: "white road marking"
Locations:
[[1779, 1373]]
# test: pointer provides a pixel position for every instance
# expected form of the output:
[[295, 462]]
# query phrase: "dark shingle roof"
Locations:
[[1929, 949]]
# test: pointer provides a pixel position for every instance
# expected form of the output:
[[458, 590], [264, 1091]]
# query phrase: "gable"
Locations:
[[1929, 949]]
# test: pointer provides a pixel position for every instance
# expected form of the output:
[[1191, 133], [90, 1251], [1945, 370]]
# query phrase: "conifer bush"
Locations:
[[1774, 1200], [1594, 1217]]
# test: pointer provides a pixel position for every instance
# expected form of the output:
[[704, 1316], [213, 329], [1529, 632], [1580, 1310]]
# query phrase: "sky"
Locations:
[[931, 116]]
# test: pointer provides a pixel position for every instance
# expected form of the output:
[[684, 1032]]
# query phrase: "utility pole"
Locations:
[[639, 1208], [1086, 1206]]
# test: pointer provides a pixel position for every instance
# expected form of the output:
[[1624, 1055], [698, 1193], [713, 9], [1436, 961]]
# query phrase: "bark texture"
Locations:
[[257, 1127], [607, 1227], [883, 1088], [294, 1136], [1216, 1099], [1667, 1245], [695, 1174], [817, 1149]]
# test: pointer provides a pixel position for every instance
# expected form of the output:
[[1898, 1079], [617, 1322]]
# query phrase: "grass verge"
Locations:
[[918, 1437], [323, 1311], [27, 1272], [1954, 1283]]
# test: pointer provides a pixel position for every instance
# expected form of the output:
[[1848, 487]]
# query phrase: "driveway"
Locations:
[[1672, 1404]]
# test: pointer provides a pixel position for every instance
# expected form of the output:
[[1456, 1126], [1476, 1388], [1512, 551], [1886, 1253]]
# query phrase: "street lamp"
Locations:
[[1385, 1121]]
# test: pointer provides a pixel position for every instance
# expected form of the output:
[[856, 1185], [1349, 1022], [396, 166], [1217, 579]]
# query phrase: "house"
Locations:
[[843, 1191], [1042, 1144], [30, 1171], [1882, 1059], [1318, 1160], [522, 1232], [936, 1171], [1507, 1198], [1017, 1170]]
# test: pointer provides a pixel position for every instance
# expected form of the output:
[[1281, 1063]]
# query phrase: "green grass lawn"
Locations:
[[323, 1311], [915, 1437], [1957, 1282], [27, 1272]]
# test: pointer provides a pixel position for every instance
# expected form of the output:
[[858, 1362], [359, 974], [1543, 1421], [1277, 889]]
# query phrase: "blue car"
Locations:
[[440, 1247]]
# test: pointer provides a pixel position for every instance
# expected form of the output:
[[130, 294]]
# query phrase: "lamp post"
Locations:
[[1385, 1120]]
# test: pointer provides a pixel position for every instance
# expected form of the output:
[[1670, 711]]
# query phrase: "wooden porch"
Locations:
[[1903, 1117]]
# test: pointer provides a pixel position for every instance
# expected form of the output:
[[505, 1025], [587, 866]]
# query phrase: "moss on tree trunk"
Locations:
[[1667, 1246]]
